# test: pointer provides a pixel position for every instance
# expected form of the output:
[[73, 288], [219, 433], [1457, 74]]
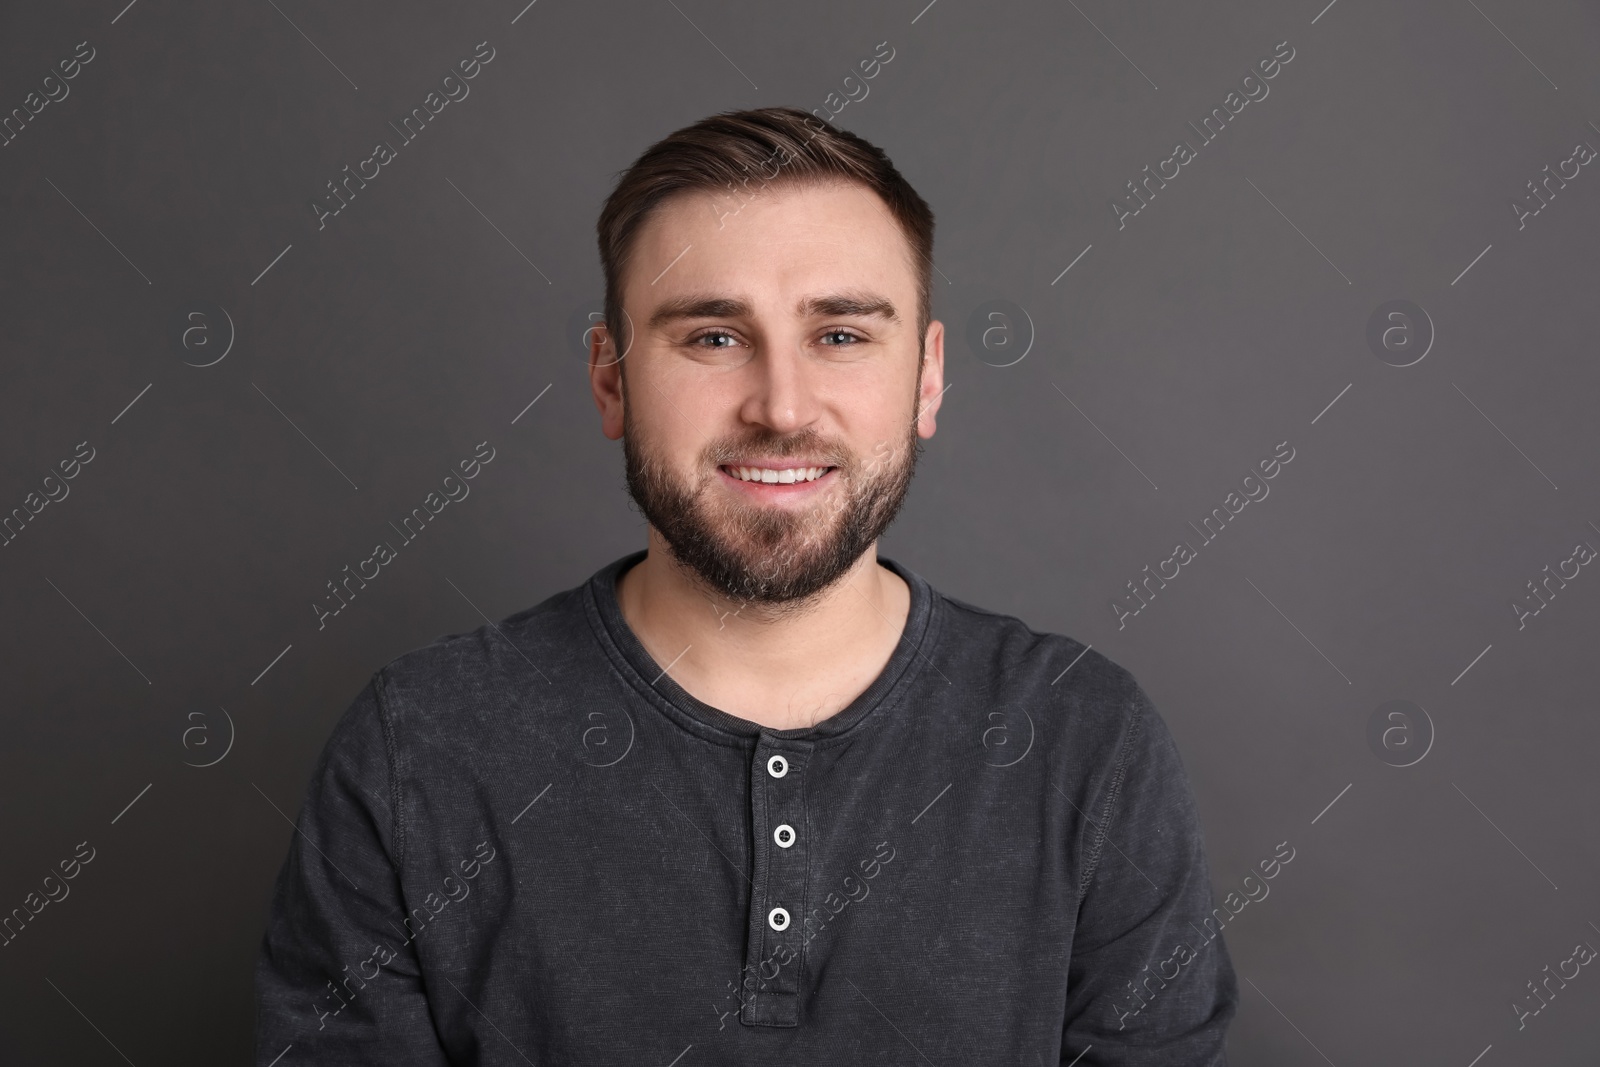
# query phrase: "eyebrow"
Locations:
[[706, 306]]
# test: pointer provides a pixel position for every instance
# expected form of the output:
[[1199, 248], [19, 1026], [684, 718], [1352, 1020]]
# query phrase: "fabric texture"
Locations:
[[527, 844]]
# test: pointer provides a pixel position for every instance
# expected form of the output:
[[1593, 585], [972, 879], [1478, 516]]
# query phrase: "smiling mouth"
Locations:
[[776, 476]]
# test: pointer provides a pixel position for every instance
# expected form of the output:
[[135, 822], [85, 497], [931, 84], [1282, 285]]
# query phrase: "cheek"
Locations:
[[670, 409]]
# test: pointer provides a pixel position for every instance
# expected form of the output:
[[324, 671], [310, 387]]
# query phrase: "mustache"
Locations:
[[756, 452]]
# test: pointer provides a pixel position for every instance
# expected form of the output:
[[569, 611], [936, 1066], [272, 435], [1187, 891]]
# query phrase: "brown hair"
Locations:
[[772, 146]]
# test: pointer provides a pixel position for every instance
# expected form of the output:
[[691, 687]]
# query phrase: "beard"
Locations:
[[780, 558]]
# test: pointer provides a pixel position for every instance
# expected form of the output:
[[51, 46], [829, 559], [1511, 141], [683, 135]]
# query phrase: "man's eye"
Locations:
[[847, 335], [714, 333]]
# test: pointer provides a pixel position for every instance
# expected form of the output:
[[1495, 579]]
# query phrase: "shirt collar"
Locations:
[[905, 662]]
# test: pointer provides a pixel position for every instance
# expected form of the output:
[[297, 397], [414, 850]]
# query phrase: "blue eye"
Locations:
[[842, 333], [714, 333]]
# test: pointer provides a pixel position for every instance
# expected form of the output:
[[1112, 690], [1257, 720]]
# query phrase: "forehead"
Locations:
[[775, 242]]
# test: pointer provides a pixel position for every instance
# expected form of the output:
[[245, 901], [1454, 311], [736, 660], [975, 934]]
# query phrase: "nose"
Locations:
[[782, 391]]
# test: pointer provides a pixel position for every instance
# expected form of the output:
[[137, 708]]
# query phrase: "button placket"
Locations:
[[779, 879]]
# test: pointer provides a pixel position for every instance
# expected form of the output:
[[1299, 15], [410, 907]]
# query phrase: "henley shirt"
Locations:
[[528, 845]]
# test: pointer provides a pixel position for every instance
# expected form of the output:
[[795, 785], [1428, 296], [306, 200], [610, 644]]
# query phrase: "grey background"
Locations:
[[1228, 316]]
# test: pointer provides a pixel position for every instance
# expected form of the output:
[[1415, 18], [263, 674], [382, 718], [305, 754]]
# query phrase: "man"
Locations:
[[752, 794]]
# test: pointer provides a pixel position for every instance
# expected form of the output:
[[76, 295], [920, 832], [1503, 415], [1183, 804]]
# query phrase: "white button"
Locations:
[[777, 766], [778, 919], [784, 835]]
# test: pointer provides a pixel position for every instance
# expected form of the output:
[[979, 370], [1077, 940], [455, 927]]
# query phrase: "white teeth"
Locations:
[[774, 477]]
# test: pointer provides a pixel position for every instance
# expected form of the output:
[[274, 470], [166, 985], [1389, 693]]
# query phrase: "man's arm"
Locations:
[[1150, 984], [338, 980]]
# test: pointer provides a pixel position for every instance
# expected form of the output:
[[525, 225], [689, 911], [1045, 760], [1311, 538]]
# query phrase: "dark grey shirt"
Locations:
[[527, 844]]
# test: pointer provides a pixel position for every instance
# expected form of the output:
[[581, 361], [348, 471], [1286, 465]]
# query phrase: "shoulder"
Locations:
[[1095, 723], [484, 671], [1039, 662]]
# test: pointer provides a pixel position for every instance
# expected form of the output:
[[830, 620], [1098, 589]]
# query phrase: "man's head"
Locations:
[[768, 303]]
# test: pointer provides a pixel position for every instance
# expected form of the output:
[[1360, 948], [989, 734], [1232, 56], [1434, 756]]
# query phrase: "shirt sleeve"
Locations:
[[337, 979], [1150, 983]]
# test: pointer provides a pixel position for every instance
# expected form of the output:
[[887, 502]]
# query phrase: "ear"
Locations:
[[931, 394], [605, 380]]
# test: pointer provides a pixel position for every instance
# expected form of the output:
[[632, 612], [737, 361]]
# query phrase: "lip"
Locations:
[[777, 490]]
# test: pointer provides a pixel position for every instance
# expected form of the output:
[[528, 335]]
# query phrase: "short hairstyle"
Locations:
[[769, 147]]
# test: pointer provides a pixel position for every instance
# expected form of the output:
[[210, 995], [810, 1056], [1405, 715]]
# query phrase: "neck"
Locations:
[[782, 665]]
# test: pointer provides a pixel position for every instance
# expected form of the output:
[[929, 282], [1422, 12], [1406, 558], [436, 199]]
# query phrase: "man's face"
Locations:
[[780, 335]]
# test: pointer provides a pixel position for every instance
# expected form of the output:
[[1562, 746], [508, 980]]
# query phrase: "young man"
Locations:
[[752, 794]]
